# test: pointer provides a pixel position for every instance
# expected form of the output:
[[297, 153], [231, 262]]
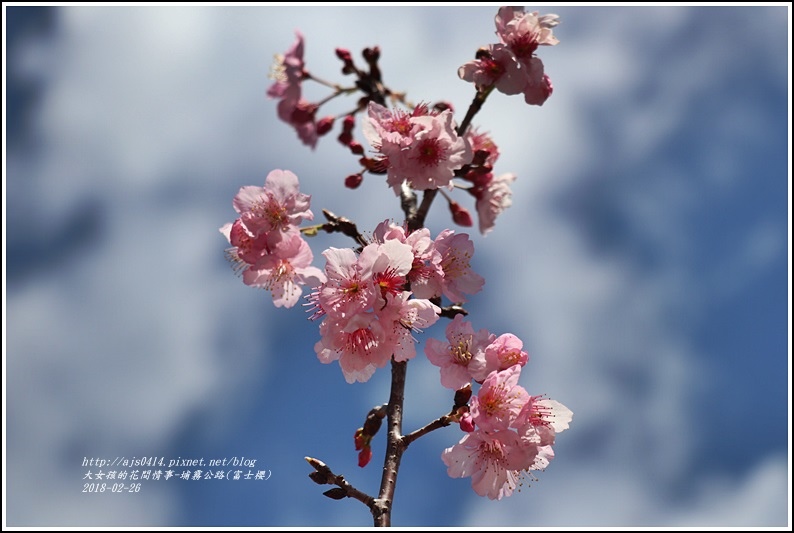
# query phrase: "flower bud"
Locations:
[[356, 148], [364, 457], [325, 124], [460, 215], [467, 423], [344, 54], [353, 181]]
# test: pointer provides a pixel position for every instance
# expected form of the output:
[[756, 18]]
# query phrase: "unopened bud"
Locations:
[[345, 138], [353, 181], [364, 457], [325, 124], [467, 423], [356, 148], [358, 439], [371, 54], [344, 54], [460, 215]]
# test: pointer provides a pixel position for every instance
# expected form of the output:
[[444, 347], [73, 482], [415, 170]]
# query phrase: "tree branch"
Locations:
[[438, 423], [344, 226], [324, 476], [381, 511]]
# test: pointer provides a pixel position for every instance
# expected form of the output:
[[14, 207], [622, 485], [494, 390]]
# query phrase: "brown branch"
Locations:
[[381, 511], [324, 476], [418, 219], [451, 310], [344, 226], [438, 423]]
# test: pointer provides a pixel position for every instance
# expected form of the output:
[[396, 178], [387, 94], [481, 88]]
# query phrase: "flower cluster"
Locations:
[[511, 66], [492, 193], [266, 244], [420, 147], [372, 299], [372, 302], [508, 432], [289, 72]]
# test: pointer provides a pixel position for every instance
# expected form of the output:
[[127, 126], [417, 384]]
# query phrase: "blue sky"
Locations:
[[644, 263]]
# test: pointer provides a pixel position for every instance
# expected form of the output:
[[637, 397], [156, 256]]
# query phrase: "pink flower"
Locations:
[[279, 206], [541, 419], [493, 461], [432, 159], [392, 129], [348, 289], [504, 352], [401, 318], [483, 142], [456, 252], [359, 344], [495, 66], [499, 401], [492, 200], [389, 264], [300, 114], [422, 148], [454, 356], [285, 271], [245, 250], [524, 32], [287, 70], [426, 275], [538, 87]]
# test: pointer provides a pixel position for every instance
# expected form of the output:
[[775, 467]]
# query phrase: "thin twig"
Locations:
[[344, 226], [324, 476]]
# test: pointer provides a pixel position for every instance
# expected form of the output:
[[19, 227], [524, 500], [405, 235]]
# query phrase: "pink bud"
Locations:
[[344, 54], [467, 423], [325, 124], [460, 215], [364, 456], [358, 438], [353, 181], [356, 148]]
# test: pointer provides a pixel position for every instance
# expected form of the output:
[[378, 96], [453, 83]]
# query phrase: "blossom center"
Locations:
[[461, 352], [360, 341], [431, 152], [278, 71], [524, 45]]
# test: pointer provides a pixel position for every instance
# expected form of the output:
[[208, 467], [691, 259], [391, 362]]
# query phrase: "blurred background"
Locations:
[[644, 264]]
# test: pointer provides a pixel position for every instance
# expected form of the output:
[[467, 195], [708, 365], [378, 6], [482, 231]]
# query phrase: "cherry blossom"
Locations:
[[493, 195], [499, 401], [287, 70], [403, 317], [456, 251], [504, 352], [494, 461], [421, 148], [454, 356], [285, 271], [359, 344], [495, 66], [540, 419], [278, 206], [523, 32]]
